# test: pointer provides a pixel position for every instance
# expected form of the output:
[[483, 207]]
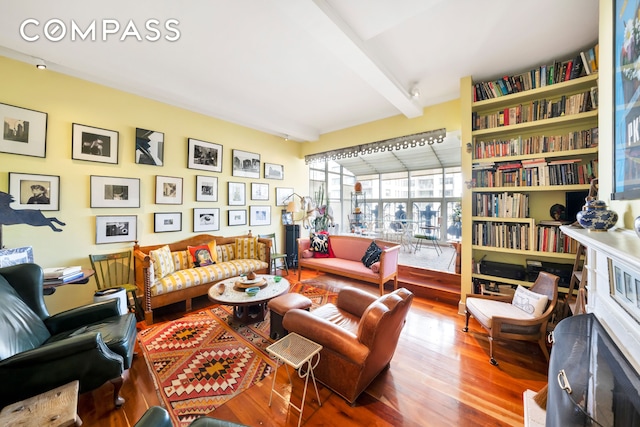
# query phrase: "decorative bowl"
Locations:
[[277, 278], [252, 291]]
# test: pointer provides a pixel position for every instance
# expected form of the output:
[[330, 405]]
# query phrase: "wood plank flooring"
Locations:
[[439, 376]]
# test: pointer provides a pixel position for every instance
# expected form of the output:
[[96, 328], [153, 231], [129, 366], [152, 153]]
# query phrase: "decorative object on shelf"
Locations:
[[557, 212], [357, 187], [595, 216]]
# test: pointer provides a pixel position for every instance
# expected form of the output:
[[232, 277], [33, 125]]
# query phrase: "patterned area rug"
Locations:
[[201, 360]]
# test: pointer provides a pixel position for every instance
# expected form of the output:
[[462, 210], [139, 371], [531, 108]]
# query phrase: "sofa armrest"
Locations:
[[83, 315], [326, 334], [354, 300], [304, 243], [389, 261]]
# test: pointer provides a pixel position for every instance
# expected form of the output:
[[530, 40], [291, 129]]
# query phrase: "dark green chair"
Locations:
[[275, 256], [114, 271], [92, 344], [157, 416]]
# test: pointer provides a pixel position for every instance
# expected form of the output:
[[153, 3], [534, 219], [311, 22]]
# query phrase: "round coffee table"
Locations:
[[248, 309]]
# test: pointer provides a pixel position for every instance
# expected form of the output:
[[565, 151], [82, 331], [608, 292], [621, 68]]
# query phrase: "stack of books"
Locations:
[[60, 275]]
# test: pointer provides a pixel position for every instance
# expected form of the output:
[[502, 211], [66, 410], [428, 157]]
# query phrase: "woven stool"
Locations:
[[279, 307]]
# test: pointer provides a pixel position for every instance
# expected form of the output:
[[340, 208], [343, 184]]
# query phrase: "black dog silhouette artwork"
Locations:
[[10, 216]]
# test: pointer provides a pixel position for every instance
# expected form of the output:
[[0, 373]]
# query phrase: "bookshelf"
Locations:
[[524, 152]]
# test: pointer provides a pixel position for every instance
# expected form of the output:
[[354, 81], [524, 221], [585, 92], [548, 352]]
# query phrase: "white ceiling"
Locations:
[[302, 68]]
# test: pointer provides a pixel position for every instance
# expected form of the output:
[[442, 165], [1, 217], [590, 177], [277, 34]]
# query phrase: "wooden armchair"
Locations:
[[516, 318]]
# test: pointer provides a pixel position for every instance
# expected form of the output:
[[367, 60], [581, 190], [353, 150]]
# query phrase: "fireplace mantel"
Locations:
[[621, 246]]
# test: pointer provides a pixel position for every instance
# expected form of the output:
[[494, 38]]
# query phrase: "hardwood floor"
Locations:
[[439, 376]]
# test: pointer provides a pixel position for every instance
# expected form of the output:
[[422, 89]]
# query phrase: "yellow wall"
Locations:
[[69, 100]]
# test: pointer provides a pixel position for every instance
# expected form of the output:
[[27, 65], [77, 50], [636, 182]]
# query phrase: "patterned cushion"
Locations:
[[182, 260], [226, 252], [529, 302], [200, 255], [213, 250], [319, 243], [246, 248], [371, 255], [162, 261]]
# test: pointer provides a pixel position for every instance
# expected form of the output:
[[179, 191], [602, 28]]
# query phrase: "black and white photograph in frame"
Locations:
[[259, 215], [237, 196], [168, 190], [94, 144], [116, 228], [246, 164], [237, 217], [273, 171], [282, 195], [114, 192], [206, 219], [24, 131], [164, 222], [149, 147], [204, 155], [32, 191], [625, 286], [259, 191], [206, 188]]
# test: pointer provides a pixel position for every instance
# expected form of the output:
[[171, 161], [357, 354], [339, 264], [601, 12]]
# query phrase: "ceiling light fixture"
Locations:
[[414, 91], [408, 141], [40, 64]]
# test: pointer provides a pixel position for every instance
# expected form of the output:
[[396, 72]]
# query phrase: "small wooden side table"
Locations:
[[53, 408], [295, 351]]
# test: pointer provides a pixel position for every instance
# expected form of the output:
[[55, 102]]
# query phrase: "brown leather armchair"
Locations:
[[359, 335]]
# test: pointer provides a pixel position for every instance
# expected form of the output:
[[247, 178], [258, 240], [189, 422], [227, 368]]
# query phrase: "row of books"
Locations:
[[501, 205], [583, 63], [539, 109], [59, 275], [539, 144], [517, 237], [536, 172]]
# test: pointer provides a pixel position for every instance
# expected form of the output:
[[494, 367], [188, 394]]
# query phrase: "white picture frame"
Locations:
[[282, 195], [168, 190], [206, 188], [259, 215], [34, 191], [237, 217], [116, 228], [114, 192], [206, 219], [237, 194], [273, 171], [245, 164], [94, 144], [24, 131], [259, 191], [164, 222]]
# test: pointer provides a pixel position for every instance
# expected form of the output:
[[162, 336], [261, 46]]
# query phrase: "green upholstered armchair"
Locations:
[[38, 352], [157, 416]]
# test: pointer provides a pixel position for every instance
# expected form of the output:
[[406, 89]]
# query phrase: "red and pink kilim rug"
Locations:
[[200, 361]]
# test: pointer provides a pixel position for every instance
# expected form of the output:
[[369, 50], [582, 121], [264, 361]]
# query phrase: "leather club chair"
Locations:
[[38, 352], [157, 416], [358, 334]]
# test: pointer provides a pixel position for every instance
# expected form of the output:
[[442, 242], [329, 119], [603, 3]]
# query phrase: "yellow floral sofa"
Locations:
[[166, 274]]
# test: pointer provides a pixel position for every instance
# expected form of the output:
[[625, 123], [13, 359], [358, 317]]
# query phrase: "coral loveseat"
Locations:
[[165, 274], [347, 260]]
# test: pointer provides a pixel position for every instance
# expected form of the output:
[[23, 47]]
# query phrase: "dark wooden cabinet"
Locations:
[[292, 232]]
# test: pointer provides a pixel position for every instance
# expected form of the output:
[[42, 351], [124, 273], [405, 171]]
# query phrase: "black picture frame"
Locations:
[[149, 147], [273, 171], [626, 85], [116, 228], [236, 217], [24, 131], [245, 164], [206, 219], [168, 190], [237, 195], [94, 144], [114, 192], [164, 222], [259, 191], [206, 188], [259, 215], [34, 191], [204, 155]]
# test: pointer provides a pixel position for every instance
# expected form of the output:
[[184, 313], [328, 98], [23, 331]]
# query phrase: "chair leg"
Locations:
[[117, 385], [543, 346], [466, 323], [286, 266], [492, 360]]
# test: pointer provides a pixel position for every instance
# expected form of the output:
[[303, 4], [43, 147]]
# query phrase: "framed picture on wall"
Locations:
[[24, 131], [204, 155], [114, 192], [246, 164], [259, 191], [167, 221], [149, 147], [116, 228], [259, 215], [273, 171], [206, 188], [206, 219], [94, 144], [32, 191], [282, 195], [236, 195], [168, 190], [237, 217]]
